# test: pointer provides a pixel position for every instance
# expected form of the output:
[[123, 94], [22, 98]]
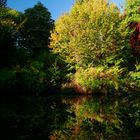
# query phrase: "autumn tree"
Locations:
[[89, 34]]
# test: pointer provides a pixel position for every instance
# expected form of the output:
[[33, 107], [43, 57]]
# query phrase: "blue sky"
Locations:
[[56, 7]]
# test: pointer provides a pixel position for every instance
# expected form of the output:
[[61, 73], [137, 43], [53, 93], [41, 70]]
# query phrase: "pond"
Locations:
[[69, 118]]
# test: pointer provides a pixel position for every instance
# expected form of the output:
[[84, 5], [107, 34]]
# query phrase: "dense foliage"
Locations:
[[89, 47], [3, 3], [96, 41], [9, 21], [89, 35], [36, 28], [27, 66], [86, 51]]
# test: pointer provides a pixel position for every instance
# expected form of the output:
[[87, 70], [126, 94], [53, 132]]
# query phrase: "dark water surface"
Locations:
[[68, 118]]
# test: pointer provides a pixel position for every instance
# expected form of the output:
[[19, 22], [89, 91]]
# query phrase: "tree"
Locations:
[[127, 28], [132, 18], [87, 35], [36, 29], [3, 3], [9, 20], [132, 8]]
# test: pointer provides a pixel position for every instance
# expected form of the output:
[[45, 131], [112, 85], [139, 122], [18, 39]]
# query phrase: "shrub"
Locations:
[[134, 78], [99, 79]]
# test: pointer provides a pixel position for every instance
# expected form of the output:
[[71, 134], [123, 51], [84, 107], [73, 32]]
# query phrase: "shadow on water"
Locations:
[[64, 118]]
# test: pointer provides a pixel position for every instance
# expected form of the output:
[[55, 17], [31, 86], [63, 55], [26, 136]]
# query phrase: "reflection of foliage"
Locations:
[[100, 119], [130, 106], [95, 43], [69, 118]]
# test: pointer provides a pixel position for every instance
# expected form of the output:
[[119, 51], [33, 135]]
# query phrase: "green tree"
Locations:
[[3, 3], [36, 29], [130, 15], [87, 35], [9, 20], [132, 8]]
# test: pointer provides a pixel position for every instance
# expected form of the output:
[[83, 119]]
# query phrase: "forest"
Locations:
[[76, 78]]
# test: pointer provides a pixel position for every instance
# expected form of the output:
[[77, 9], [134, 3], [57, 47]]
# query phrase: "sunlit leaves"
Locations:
[[99, 79], [88, 34], [133, 10]]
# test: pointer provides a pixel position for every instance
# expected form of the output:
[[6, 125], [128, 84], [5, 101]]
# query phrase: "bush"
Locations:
[[134, 78], [27, 80], [99, 79], [38, 76], [7, 80]]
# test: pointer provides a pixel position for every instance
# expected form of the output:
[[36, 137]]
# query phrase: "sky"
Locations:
[[56, 7]]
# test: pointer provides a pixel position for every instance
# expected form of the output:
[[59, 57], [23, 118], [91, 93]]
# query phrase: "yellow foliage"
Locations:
[[99, 78], [88, 33]]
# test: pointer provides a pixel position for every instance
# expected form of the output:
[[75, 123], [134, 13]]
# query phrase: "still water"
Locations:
[[68, 118]]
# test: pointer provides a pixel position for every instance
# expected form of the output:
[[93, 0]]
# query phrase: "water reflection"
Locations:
[[64, 118]]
